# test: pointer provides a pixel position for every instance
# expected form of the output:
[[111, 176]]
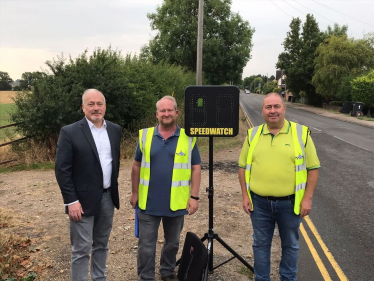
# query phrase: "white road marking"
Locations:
[[314, 128], [352, 143], [292, 119]]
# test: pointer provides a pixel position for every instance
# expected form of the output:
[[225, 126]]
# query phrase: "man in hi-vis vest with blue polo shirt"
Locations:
[[165, 180], [278, 173]]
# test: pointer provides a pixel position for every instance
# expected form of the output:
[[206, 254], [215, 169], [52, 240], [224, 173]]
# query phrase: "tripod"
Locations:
[[210, 235]]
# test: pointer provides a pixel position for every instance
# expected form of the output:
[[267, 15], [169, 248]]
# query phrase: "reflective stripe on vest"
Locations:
[[299, 136], [181, 178]]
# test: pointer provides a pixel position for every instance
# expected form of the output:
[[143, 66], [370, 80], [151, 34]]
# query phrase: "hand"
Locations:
[[192, 206], [305, 207], [247, 205], [134, 199], [75, 211]]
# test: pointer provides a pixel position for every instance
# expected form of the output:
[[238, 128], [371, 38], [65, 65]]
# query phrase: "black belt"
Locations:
[[273, 198], [106, 189]]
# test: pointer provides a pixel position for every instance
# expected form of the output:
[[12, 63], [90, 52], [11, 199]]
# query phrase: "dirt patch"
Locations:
[[6, 96], [35, 198]]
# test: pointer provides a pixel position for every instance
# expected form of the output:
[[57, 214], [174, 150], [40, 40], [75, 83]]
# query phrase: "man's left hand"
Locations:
[[192, 206], [305, 207]]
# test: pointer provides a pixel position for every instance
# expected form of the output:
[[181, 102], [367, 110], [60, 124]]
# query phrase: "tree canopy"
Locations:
[[5, 81], [227, 39], [338, 57], [29, 78], [297, 60]]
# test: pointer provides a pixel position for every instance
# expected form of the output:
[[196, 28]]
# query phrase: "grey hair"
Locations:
[[273, 94], [168, 98], [91, 90]]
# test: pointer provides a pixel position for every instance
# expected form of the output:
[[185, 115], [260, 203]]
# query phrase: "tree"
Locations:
[[257, 84], [227, 39], [288, 60], [344, 92], [297, 60], [29, 78], [5, 81], [336, 30], [269, 86], [363, 89], [272, 78], [338, 57]]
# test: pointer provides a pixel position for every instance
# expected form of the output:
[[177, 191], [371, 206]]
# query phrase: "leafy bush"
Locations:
[[277, 90], [131, 87], [363, 89], [336, 103], [269, 86]]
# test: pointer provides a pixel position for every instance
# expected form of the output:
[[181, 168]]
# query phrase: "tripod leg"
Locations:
[[233, 252], [209, 247]]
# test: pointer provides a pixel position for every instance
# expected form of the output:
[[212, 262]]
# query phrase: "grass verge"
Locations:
[[35, 166]]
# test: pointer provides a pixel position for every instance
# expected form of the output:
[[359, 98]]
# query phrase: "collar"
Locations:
[[176, 132], [92, 125], [284, 130]]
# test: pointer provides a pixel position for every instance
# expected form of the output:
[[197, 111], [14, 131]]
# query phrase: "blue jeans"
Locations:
[[264, 217]]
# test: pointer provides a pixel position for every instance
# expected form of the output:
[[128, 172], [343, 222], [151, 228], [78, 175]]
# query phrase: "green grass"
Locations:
[[5, 110], [246, 272], [39, 166], [366, 118]]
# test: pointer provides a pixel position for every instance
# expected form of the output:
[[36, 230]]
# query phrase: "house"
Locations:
[[281, 80]]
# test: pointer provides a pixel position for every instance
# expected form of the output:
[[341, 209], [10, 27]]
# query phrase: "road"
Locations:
[[343, 205]]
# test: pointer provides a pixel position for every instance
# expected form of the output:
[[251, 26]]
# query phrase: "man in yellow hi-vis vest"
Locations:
[[278, 173], [165, 180]]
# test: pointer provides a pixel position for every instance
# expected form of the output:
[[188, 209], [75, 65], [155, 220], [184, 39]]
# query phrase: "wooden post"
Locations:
[[199, 60]]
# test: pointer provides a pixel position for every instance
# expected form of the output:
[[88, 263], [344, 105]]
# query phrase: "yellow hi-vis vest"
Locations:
[[181, 179], [299, 136]]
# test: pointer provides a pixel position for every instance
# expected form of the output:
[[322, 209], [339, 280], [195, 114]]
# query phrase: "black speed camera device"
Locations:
[[211, 111]]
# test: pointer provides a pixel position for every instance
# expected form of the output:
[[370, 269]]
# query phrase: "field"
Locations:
[[6, 106], [6, 96]]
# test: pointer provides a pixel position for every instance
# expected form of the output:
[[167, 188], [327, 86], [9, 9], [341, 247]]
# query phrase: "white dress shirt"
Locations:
[[101, 138]]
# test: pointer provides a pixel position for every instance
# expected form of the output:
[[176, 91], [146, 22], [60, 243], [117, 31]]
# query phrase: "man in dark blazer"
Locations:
[[87, 167]]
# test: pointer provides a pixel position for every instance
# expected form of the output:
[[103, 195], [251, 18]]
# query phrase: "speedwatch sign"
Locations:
[[212, 111]]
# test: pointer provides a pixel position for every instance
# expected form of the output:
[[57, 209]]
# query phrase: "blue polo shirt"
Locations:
[[162, 163]]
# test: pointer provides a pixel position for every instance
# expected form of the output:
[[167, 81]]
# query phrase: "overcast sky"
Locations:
[[34, 31]]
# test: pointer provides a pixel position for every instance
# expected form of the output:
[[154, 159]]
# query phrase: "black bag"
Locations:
[[194, 259]]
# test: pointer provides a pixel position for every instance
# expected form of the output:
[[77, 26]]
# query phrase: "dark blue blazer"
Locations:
[[77, 166]]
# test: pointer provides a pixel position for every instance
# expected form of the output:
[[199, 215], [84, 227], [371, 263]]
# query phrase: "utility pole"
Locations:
[[199, 60]]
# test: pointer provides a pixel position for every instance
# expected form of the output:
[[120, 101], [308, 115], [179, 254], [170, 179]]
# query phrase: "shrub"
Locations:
[[336, 103], [363, 90], [131, 87]]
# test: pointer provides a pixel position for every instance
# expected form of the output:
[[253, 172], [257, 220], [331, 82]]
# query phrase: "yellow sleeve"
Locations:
[[312, 161], [243, 154]]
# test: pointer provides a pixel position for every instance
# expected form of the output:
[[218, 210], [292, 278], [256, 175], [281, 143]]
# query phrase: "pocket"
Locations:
[[81, 187]]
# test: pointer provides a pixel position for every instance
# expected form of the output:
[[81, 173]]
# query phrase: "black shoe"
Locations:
[[170, 277]]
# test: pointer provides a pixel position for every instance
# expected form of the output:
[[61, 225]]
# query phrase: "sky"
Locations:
[[35, 31]]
